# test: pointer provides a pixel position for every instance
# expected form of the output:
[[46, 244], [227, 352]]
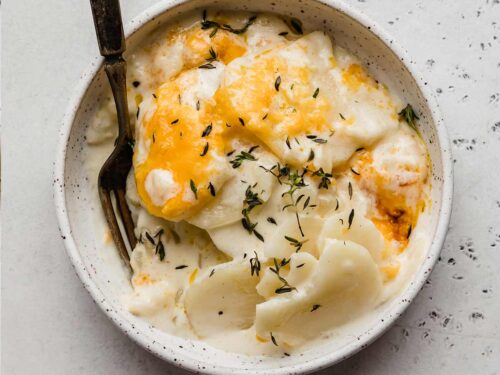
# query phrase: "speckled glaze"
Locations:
[[75, 201]]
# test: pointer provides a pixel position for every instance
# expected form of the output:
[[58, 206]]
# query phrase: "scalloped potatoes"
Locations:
[[275, 185]]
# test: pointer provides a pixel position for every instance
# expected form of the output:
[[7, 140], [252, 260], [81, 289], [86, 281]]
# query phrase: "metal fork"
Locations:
[[113, 174]]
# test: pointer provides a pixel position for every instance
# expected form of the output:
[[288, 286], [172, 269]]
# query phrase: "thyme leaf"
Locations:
[[408, 114], [194, 189]]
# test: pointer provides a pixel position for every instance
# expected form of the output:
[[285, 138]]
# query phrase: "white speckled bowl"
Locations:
[[75, 199]]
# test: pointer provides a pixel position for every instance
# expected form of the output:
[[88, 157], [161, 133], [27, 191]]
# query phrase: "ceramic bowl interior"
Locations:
[[77, 202]]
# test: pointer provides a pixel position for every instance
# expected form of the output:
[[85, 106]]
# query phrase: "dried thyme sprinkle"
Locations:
[[273, 339], [408, 114], [306, 203], [315, 307], [154, 140], [193, 188], [349, 188], [277, 83], [271, 220], [351, 218], [337, 206], [154, 96], [160, 250], [356, 173], [287, 141], [211, 189], [325, 178], [215, 26], [311, 155], [254, 265], [320, 140], [296, 26], [341, 116], [251, 201], [205, 150], [207, 66], [285, 288], [242, 122], [265, 116], [150, 238], [212, 272], [316, 92], [242, 156], [213, 54], [174, 122], [207, 131], [300, 265], [197, 105], [283, 33], [408, 234], [296, 243], [137, 113], [181, 267]]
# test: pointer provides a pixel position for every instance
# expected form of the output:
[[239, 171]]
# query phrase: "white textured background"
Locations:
[[50, 324]]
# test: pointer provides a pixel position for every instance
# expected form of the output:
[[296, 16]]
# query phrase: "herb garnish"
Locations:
[[356, 173], [273, 339], [254, 265], [197, 105], [251, 201], [207, 66], [277, 83], [297, 26], [296, 182], [311, 155], [212, 272], [174, 122], [205, 150], [283, 33], [285, 288], [296, 243], [408, 114], [287, 141], [351, 218], [243, 155], [315, 307], [325, 178], [242, 122], [159, 248], [193, 188], [306, 203], [181, 267], [154, 96], [316, 92], [300, 265], [271, 220], [213, 55], [265, 116], [211, 189], [208, 24], [349, 188], [207, 131], [341, 116], [408, 234]]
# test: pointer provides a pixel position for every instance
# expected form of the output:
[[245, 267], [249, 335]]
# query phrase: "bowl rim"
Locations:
[[348, 350]]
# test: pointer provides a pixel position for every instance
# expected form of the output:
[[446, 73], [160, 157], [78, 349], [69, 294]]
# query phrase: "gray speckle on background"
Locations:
[[50, 323]]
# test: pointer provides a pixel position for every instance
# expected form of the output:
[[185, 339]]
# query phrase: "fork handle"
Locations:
[[109, 29], [108, 26]]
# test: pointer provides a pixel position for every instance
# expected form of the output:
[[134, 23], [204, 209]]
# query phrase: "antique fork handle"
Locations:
[[109, 30]]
